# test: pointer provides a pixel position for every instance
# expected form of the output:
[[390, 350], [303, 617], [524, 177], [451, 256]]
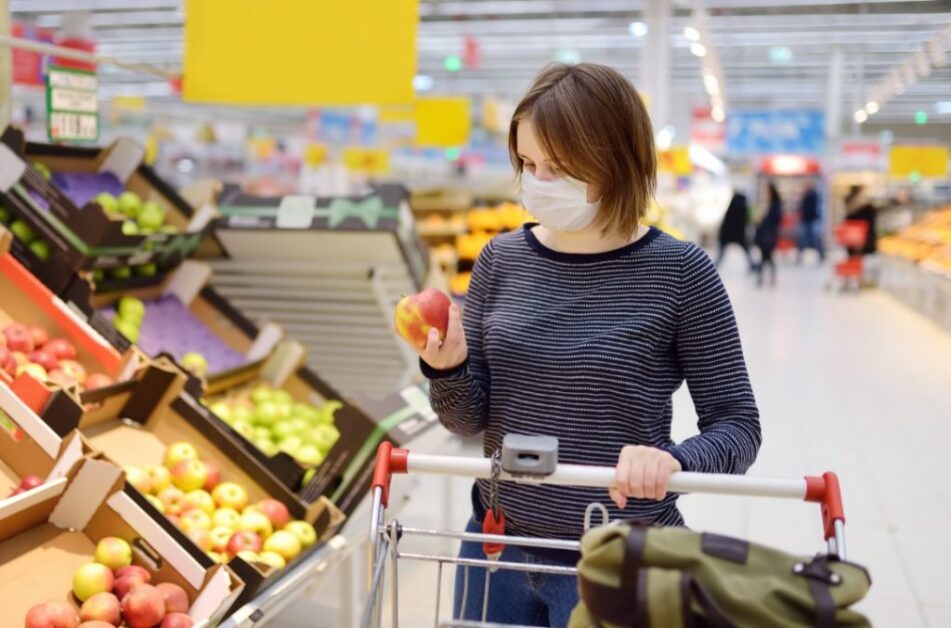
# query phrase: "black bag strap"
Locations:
[[626, 606], [713, 615]]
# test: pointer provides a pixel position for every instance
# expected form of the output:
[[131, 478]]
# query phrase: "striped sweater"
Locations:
[[590, 348]]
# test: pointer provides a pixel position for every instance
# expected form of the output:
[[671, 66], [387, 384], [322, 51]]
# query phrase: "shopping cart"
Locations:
[[536, 466], [851, 235]]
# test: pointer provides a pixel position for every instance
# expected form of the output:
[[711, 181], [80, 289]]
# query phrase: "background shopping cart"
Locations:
[[851, 235], [385, 537]]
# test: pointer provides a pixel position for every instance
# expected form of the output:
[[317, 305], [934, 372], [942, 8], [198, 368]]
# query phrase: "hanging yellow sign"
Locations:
[[923, 161], [443, 122], [315, 154], [300, 52], [368, 160], [675, 161]]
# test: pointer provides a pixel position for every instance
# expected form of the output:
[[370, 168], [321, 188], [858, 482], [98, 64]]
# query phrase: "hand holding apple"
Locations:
[[418, 314], [440, 347]]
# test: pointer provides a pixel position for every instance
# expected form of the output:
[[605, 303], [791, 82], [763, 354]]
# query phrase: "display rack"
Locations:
[[926, 291]]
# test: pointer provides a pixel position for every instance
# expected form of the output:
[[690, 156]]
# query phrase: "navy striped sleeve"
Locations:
[[460, 396], [710, 356]]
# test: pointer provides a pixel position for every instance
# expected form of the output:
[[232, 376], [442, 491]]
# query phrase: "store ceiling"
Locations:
[[774, 54]]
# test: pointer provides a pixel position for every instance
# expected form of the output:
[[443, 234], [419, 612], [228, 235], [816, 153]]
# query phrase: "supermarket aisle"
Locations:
[[856, 384]]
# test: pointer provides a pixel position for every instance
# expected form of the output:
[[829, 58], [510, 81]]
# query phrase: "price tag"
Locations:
[[296, 212], [72, 104]]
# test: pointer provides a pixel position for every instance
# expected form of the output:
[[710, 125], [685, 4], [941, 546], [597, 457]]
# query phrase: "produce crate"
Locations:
[[134, 423], [343, 473], [28, 447], [329, 271], [185, 314], [49, 532], [28, 301], [79, 233]]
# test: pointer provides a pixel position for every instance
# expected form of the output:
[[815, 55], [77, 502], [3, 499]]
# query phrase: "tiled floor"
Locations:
[[853, 383]]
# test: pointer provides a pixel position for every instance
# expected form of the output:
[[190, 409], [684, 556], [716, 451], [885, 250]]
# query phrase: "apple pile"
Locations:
[[27, 483], [416, 315], [113, 592], [29, 349], [139, 218], [25, 234], [216, 515], [273, 422]]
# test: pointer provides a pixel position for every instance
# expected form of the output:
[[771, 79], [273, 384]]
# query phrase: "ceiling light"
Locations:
[[710, 82], [717, 114], [942, 106], [921, 117], [665, 137], [569, 56], [691, 33], [698, 49], [638, 29], [422, 82], [452, 63], [871, 107], [860, 116], [780, 54]]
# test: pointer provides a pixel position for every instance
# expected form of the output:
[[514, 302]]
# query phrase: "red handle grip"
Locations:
[[825, 490], [389, 460]]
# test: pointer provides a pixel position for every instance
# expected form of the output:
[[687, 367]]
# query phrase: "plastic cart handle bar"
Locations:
[[822, 489]]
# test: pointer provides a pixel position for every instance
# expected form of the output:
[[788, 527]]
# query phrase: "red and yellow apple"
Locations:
[[214, 475], [220, 536], [304, 532], [155, 501], [195, 518], [230, 495], [98, 380], [90, 579], [276, 511], [200, 499], [159, 476], [73, 370], [200, 537], [180, 451], [189, 475], [284, 543], [175, 598], [52, 615], [113, 552], [243, 541], [273, 559], [174, 500], [417, 314], [143, 606], [102, 607], [226, 518], [134, 570], [254, 521]]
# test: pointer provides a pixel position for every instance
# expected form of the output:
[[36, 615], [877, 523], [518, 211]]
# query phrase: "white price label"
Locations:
[[74, 126], [296, 212]]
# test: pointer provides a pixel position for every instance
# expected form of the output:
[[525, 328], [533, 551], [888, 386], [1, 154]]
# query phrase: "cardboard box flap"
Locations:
[[155, 535], [219, 593], [72, 452], [188, 280], [17, 504], [26, 419], [265, 342], [93, 481], [285, 360], [11, 168], [123, 158]]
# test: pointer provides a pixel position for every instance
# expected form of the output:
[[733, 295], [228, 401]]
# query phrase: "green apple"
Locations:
[[290, 445], [299, 425], [169, 229], [328, 410], [129, 228], [284, 543], [267, 414], [261, 393], [284, 408], [128, 329], [244, 428], [130, 204], [324, 437], [308, 476], [22, 231], [275, 560], [151, 216], [98, 275], [304, 532], [41, 249], [243, 413], [5, 215], [108, 202], [282, 396], [223, 411], [146, 270], [309, 455], [265, 446], [259, 433], [120, 273], [196, 363], [43, 169], [282, 430], [131, 309]]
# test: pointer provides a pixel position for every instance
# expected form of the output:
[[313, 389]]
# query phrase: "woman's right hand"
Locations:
[[450, 352]]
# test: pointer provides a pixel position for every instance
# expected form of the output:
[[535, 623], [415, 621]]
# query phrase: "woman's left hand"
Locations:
[[642, 472]]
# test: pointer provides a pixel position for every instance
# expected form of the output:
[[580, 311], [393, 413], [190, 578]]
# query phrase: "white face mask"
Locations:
[[559, 205]]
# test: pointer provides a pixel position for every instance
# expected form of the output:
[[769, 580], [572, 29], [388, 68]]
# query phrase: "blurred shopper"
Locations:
[[767, 235], [810, 223], [858, 207], [733, 228], [582, 327]]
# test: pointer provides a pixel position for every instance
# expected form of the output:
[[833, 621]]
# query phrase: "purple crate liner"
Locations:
[[82, 187], [171, 328]]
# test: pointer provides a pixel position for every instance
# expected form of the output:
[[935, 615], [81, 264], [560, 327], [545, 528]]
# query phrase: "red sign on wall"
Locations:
[[706, 131], [28, 67]]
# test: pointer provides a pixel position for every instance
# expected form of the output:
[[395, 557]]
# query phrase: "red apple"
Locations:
[[52, 615], [15, 492], [45, 359], [214, 475], [61, 348], [200, 537], [189, 475], [90, 579], [417, 314], [20, 358], [241, 541], [19, 338], [73, 369], [127, 583], [30, 482], [176, 600], [95, 623], [175, 521], [174, 500], [195, 519], [113, 552], [220, 536], [176, 620], [98, 380], [143, 607], [103, 607], [40, 337], [137, 477], [6, 359], [134, 570], [276, 511]]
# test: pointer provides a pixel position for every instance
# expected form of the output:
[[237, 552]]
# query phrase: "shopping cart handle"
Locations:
[[823, 489]]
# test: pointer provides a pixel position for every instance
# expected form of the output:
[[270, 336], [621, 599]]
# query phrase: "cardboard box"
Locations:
[[26, 300], [47, 533], [344, 475], [84, 237], [133, 423], [190, 303]]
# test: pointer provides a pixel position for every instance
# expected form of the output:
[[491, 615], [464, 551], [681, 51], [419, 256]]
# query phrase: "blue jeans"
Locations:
[[515, 597]]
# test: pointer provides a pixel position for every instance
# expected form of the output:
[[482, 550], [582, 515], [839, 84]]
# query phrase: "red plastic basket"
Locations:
[[852, 233]]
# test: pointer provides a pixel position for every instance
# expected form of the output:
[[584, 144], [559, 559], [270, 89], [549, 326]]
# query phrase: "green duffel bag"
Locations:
[[637, 576]]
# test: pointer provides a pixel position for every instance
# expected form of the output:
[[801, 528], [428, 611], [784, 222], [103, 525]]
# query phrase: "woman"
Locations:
[[767, 235], [858, 207], [733, 227], [582, 327]]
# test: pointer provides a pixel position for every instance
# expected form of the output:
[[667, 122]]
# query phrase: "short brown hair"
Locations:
[[592, 124]]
